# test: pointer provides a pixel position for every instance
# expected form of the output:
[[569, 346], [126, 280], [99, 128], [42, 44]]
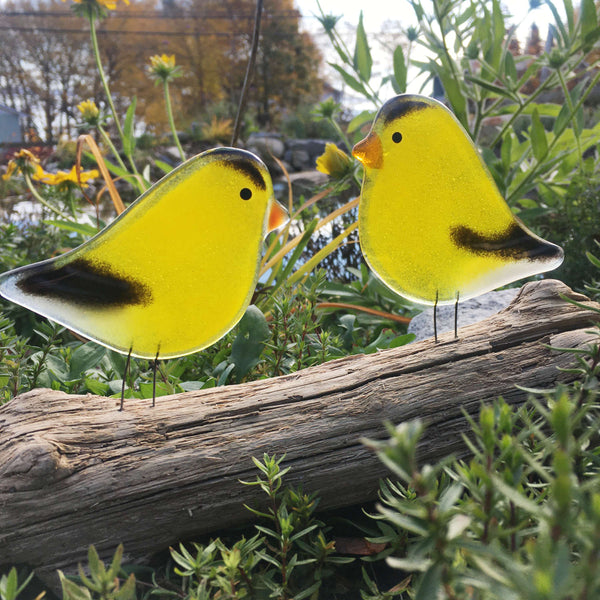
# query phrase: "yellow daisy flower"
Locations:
[[162, 67], [334, 162], [89, 112], [23, 162], [62, 178]]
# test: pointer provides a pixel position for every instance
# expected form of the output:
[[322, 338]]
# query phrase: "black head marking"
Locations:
[[399, 106], [513, 243], [243, 162], [85, 283]]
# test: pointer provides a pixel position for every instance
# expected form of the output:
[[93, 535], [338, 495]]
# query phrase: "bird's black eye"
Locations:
[[245, 193], [396, 137]]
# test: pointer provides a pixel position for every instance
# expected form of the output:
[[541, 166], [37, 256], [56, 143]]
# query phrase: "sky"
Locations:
[[391, 16]]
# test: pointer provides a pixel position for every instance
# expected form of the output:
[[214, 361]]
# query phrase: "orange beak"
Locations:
[[369, 151], [278, 216]]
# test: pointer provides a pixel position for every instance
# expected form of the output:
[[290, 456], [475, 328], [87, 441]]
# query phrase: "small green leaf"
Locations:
[[128, 137], [97, 568], [450, 496], [127, 592], [455, 97], [563, 118], [161, 389], [491, 87], [505, 151], [537, 133], [163, 166], [363, 61], [97, 387], [402, 340], [430, 583], [349, 79], [400, 70], [247, 347], [589, 23], [366, 116], [71, 591], [81, 228], [593, 259], [84, 358], [510, 68], [10, 585], [557, 19]]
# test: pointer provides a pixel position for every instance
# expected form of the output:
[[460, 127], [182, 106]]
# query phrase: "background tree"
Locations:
[[46, 65]]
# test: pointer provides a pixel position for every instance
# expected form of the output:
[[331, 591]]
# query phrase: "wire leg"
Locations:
[[456, 315], [435, 318], [154, 369], [127, 363]]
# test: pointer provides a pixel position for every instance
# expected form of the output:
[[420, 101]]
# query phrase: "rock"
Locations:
[[265, 144], [303, 154], [171, 155], [307, 182], [299, 159], [470, 311]]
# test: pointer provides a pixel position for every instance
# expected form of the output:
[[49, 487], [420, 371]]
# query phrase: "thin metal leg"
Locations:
[[127, 362], [456, 315], [154, 368], [435, 317]]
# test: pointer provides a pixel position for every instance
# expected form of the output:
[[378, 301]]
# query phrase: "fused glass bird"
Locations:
[[174, 272], [432, 223]]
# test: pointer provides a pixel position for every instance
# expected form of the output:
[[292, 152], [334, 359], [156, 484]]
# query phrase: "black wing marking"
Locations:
[[513, 243], [86, 283]]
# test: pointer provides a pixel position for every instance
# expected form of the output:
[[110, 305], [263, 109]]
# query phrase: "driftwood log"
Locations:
[[76, 471]]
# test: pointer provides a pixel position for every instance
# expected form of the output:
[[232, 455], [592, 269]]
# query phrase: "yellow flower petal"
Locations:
[[334, 162]]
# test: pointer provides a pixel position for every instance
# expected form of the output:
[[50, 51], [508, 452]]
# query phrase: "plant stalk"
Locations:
[[169, 110]]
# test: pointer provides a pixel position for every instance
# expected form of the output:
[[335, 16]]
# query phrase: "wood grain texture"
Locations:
[[76, 471]]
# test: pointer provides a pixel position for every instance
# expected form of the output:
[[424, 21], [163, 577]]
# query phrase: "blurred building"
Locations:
[[11, 130]]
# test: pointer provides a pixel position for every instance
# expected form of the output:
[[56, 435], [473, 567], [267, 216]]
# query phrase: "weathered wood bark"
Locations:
[[75, 471]]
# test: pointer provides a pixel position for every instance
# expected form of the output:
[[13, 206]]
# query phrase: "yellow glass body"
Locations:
[[191, 243], [417, 192]]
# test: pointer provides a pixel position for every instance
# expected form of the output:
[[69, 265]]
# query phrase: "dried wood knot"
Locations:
[[33, 464]]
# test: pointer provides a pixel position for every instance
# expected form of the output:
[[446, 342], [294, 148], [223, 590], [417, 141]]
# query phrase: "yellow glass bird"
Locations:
[[432, 223], [174, 272]]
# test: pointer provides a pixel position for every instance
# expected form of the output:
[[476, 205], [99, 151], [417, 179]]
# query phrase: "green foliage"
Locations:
[[290, 556], [102, 583], [520, 519], [10, 588], [574, 221]]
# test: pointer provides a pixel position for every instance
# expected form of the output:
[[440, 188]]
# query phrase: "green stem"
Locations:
[[342, 135], [517, 114], [109, 99], [455, 75], [108, 142], [43, 201], [171, 120], [568, 99], [103, 79]]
